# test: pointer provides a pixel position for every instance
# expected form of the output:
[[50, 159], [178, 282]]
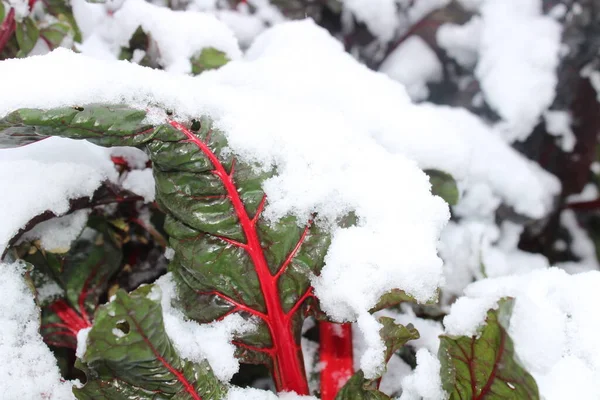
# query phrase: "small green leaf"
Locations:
[[55, 33], [392, 298], [443, 185], [209, 58], [2, 11], [485, 366], [27, 35], [358, 388], [395, 336], [130, 356]]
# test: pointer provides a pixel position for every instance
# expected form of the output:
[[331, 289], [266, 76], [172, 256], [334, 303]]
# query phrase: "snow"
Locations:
[[461, 42], [518, 57], [57, 234], [553, 326], [195, 342], [82, 336], [380, 16], [237, 393], [558, 123], [288, 117], [582, 245], [28, 368], [414, 64], [44, 176], [134, 157], [425, 382], [48, 291], [141, 182], [178, 35]]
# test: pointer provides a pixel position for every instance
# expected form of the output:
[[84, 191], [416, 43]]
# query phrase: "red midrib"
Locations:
[[288, 365], [488, 385], [180, 377]]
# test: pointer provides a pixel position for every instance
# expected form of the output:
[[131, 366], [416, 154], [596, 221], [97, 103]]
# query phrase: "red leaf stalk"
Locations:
[[7, 28], [336, 357]]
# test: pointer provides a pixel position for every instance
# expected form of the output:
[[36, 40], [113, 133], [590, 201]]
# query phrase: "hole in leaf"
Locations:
[[121, 329], [195, 125], [78, 108]]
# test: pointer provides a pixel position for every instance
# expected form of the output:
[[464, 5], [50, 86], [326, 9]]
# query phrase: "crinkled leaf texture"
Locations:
[[485, 366], [130, 356], [228, 258]]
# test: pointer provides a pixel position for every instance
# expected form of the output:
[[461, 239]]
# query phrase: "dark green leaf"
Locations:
[[395, 336], [130, 356], [358, 388], [27, 35], [392, 298], [485, 366], [82, 274], [443, 185], [209, 58]]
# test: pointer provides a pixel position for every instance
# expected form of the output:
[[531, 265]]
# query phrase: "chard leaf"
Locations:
[[228, 259], [359, 388], [55, 33], [394, 336], [2, 11], [443, 185], [485, 366], [81, 275], [27, 34], [130, 356], [209, 58]]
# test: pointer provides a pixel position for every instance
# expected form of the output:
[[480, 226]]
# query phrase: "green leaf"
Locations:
[[27, 34], [395, 336], [358, 388], [56, 33], [2, 12], [130, 356], [209, 58], [485, 366], [443, 185], [228, 258], [138, 41], [392, 298]]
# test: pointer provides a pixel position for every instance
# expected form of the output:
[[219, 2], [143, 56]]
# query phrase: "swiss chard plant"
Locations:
[[227, 259]]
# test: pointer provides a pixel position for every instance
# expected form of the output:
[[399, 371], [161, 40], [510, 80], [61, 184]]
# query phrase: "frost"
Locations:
[[28, 368], [141, 182], [44, 176], [414, 64], [195, 342], [553, 326], [425, 382]]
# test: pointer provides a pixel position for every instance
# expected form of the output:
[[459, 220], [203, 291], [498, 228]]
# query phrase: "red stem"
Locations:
[[7, 28], [336, 357], [71, 319], [288, 364]]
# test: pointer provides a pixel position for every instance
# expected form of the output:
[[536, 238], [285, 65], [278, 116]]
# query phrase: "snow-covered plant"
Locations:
[[207, 200]]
